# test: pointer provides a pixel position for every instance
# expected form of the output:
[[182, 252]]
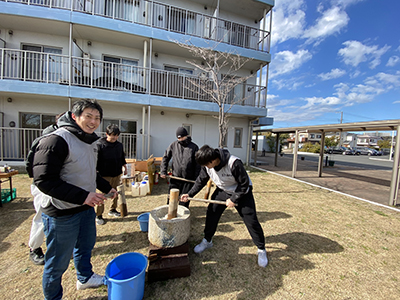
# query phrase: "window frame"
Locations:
[[240, 137]]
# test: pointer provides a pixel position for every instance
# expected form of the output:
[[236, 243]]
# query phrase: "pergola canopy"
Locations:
[[385, 125]]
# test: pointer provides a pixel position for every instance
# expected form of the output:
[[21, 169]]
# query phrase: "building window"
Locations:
[[178, 70], [121, 73], [36, 121], [42, 63], [124, 126], [238, 138], [312, 136], [188, 128], [318, 136]]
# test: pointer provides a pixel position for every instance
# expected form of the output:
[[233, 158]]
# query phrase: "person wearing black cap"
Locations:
[[182, 152]]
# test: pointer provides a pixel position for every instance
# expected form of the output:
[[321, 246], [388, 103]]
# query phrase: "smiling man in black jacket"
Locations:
[[235, 188], [64, 169]]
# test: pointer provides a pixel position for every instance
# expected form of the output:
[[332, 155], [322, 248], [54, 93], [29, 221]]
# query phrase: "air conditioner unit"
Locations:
[[265, 121]]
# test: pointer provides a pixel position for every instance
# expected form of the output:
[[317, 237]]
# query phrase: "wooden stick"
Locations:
[[122, 201], [179, 178], [208, 201], [208, 189], [173, 204]]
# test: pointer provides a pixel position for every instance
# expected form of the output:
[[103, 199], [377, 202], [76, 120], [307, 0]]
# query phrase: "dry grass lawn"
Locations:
[[321, 245]]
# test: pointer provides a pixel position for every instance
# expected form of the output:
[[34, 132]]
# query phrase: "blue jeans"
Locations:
[[66, 235]]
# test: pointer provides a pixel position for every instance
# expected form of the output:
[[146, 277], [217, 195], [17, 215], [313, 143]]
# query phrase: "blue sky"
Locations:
[[333, 56]]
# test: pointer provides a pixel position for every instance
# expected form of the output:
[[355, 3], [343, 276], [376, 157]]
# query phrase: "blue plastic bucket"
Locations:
[[125, 276], [144, 221]]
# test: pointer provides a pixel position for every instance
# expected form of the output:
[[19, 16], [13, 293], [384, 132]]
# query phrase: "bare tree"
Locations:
[[218, 78]]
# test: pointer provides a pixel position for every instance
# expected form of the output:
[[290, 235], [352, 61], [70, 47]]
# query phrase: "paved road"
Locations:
[[361, 161], [359, 176]]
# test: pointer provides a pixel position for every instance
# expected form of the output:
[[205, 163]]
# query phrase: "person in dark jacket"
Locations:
[[235, 188], [111, 161], [182, 152], [64, 169], [37, 235]]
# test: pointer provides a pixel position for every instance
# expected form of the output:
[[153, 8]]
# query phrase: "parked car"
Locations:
[[366, 151], [356, 151], [336, 149], [349, 151]]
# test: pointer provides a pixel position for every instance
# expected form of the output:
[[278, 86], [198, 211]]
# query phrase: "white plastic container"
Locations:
[[135, 189], [144, 188]]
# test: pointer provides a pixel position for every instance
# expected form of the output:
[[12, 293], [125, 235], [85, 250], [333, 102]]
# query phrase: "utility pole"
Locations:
[[340, 136]]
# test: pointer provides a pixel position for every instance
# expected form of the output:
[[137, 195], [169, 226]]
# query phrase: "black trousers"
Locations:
[[183, 187], [246, 209]]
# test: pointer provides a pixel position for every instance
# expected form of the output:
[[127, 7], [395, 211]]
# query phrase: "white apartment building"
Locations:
[[124, 54]]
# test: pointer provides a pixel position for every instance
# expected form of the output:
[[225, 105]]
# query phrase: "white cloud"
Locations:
[[286, 61], [394, 60], [345, 95], [334, 73], [355, 53], [322, 103], [368, 90], [332, 21], [288, 20], [287, 84], [345, 3]]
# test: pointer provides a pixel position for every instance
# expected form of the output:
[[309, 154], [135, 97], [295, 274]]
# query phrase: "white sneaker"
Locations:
[[262, 258], [95, 281], [203, 246], [100, 220]]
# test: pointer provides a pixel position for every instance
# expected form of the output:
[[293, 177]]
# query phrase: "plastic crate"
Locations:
[[6, 196]]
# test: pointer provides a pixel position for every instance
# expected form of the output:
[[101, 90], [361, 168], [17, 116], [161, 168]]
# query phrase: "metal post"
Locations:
[[394, 184], [255, 150], [277, 149], [321, 154], [148, 130], [296, 146]]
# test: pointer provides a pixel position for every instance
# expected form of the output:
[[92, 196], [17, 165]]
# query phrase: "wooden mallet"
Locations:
[[173, 204]]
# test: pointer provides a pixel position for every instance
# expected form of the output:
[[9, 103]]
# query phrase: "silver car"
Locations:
[[365, 151]]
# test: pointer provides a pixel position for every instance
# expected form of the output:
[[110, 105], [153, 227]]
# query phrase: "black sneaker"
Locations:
[[37, 256], [114, 213]]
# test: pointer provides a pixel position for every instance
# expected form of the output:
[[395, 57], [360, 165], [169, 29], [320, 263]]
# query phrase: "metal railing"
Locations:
[[91, 73], [16, 142], [166, 17]]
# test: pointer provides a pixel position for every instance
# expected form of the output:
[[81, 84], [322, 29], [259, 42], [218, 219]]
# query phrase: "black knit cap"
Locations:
[[181, 132]]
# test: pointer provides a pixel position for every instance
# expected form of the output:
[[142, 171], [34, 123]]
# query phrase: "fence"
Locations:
[[166, 17], [62, 69], [16, 142]]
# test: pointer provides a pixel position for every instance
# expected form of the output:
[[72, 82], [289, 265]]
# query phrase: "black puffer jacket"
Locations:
[[183, 159], [48, 162]]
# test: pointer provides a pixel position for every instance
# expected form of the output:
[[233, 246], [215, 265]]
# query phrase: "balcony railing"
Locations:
[[97, 74], [16, 142], [166, 17]]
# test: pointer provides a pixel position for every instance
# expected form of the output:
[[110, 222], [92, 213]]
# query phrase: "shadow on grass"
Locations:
[[227, 268], [12, 215]]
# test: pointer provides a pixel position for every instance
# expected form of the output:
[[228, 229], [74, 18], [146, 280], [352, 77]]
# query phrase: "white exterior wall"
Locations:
[[51, 99], [204, 131]]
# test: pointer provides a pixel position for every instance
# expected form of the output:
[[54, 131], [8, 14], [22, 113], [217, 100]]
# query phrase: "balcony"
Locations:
[[96, 74], [166, 17], [16, 142]]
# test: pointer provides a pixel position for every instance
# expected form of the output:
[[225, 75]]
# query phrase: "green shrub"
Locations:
[[312, 148]]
